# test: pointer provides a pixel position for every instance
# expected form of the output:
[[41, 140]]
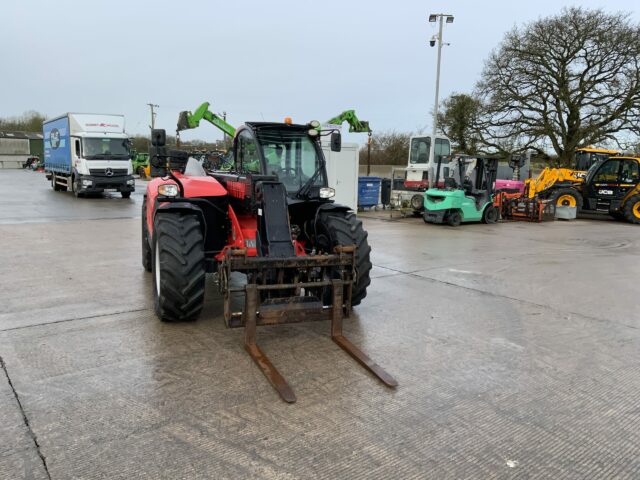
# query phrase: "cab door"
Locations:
[[610, 183]]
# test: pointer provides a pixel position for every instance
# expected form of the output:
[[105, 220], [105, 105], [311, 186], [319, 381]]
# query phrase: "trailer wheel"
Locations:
[[632, 209], [146, 248], [567, 197], [490, 214], [178, 267], [344, 228]]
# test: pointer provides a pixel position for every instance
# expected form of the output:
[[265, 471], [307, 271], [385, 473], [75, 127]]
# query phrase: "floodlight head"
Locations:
[[450, 19], [433, 17]]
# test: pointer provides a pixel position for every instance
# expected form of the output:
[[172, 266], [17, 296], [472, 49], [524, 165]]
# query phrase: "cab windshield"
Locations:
[[292, 156], [420, 149], [95, 148], [585, 160]]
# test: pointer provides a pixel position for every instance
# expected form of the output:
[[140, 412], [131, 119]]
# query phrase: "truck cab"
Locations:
[[419, 165], [88, 153]]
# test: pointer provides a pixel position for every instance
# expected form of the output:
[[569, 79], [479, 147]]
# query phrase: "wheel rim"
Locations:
[[636, 209], [157, 269], [566, 200]]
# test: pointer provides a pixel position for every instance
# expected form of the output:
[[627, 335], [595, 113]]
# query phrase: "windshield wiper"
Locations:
[[304, 190]]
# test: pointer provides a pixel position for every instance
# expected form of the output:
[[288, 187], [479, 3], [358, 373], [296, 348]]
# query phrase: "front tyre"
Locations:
[[344, 228], [567, 197], [76, 186], [632, 209], [490, 214], [178, 267], [125, 194]]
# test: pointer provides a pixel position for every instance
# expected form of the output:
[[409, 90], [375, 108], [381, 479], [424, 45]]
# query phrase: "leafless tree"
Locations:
[[387, 148], [570, 80]]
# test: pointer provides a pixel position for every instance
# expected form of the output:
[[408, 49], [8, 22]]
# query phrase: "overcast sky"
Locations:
[[255, 59]]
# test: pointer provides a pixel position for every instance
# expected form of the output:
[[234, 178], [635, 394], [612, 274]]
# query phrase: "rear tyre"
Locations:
[[178, 267], [125, 194], [454, 219], [344, 228], [490, 214], [146, 247], [567, 197], [417, 203], [54, 184], [632, 209]]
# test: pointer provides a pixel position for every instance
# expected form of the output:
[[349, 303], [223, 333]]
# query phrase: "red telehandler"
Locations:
[[270, 218]]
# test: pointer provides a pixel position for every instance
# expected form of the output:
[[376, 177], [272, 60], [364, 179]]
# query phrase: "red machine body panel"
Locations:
[[193, 187]]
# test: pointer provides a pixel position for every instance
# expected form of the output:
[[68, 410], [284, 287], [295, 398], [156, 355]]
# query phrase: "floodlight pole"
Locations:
[[432, 149]]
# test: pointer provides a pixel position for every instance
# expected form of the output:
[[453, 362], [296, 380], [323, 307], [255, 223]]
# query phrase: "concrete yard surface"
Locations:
[[516, 347]]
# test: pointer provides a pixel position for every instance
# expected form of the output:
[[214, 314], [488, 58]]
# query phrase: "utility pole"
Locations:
[[436, 39], [153, 115]]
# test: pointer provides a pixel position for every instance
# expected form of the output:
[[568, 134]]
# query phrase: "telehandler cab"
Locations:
[[270, 218]]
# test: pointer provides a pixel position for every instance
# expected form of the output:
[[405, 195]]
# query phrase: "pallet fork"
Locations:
[[308, 278]]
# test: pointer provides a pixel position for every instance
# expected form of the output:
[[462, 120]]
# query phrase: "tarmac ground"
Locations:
[[516, 347]]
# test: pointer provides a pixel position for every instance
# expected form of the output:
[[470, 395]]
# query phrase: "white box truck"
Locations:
[[88, 153]]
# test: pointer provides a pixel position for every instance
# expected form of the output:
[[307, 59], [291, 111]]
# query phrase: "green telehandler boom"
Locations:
[[187, 120], [355, 124]]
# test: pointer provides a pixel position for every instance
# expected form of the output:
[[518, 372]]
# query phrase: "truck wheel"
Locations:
[[54, 184], [75, 187], [125, 194], [178, 267], [567, 197], [344, 228], [632, 209], [490, 214], [146, 248]]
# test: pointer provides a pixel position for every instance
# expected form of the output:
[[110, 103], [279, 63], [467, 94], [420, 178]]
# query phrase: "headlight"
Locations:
[[87, 183], [168, 190], [314, 124], [327, 192], [131, 182]]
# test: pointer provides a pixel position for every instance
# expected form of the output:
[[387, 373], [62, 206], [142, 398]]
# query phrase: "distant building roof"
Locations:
[[23, 135]]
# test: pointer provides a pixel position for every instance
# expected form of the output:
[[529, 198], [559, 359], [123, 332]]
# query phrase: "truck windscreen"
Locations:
[[94, 148]]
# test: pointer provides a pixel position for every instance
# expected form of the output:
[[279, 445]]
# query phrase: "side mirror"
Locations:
[[336, 142], [158, 137]]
